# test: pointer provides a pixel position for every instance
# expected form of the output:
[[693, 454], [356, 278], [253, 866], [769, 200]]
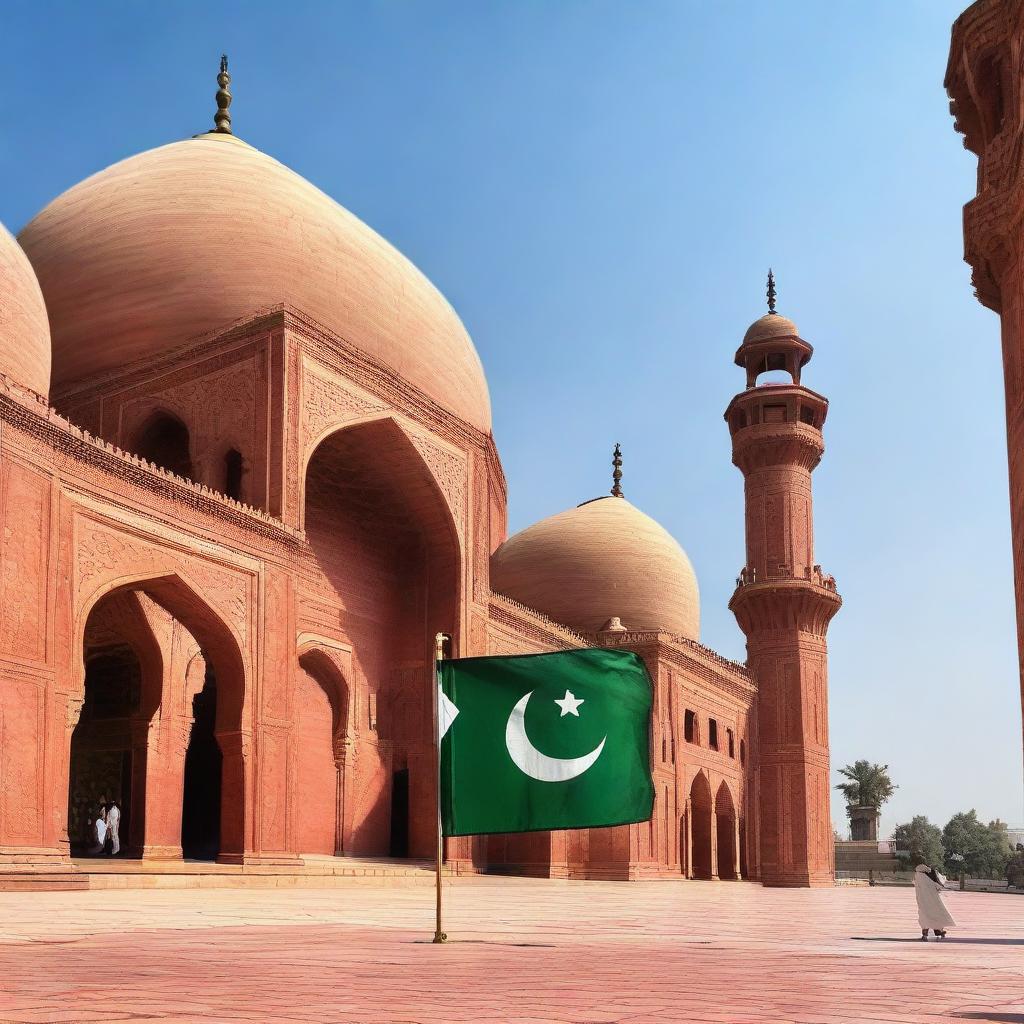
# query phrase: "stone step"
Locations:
[[312, 873], [41, 881]]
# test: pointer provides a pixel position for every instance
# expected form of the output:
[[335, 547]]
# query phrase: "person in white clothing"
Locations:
[[99, 832], [931, 911], [113, 820]]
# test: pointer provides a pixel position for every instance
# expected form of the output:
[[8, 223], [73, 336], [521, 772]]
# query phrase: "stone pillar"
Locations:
[[235, 814], [689, 838], [736, 844], [714, 840], [339, 806], [165, 781]]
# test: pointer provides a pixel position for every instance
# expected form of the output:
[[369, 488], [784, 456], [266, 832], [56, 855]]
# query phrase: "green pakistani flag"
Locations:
[[544, 741]]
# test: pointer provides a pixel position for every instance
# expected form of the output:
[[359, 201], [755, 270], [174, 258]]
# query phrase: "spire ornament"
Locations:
[[617, 472], [771, 291], [222, 119]]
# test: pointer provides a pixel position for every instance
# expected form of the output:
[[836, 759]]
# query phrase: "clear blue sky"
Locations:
[[599, 188]]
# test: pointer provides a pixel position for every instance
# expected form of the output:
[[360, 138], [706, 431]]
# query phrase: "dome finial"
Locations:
[[771, 291], [617, 471], [222, 119]]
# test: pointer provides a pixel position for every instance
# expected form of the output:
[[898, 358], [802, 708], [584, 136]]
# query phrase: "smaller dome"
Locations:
[[603, 560], [771, 325], [24, 327]]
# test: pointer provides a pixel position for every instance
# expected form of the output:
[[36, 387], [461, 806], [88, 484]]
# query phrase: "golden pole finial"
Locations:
[[771, 291], [617, 472], [222, 119]]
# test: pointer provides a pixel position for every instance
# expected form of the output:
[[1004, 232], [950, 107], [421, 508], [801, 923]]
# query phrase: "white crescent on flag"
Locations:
[[530, 761]]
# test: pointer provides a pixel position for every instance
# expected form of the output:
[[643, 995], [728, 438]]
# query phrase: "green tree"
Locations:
[[918, 842], [985, 849], [869, 784]]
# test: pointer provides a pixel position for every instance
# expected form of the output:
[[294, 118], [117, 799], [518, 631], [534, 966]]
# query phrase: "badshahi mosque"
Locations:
[[247, 473]]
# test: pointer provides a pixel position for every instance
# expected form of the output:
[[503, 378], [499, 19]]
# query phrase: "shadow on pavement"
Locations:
[[948, 942], [998, 1018]]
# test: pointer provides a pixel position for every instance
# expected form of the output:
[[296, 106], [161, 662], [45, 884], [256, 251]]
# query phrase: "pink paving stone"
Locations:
[[527, 951]]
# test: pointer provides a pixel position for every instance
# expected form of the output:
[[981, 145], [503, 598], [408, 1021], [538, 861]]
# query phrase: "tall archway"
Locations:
[[726, 824], [388, 557], [700, 826], [106, 616]]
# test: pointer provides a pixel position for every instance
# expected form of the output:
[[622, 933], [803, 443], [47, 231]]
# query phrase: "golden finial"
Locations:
[[771, 291], [222, 119], [617, 471]]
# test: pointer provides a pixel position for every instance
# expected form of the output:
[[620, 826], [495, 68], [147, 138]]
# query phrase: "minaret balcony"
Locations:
[[749, 576], [782, 598]]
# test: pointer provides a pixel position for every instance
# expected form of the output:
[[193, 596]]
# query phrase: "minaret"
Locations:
[[783, 602]]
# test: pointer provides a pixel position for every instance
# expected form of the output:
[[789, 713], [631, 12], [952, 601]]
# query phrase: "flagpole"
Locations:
[[439, 639]]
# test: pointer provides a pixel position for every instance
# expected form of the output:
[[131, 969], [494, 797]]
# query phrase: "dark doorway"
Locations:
[[200, 812], [101, 748], [400, 814]]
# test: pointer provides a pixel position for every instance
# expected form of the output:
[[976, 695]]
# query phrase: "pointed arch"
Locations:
[[322, 720], [701, 824], [164, 439], [727, 826], [390, 438], [223, 652]]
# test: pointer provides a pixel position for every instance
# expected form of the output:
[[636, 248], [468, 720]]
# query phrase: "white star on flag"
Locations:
[[569, 703], [446, 712]]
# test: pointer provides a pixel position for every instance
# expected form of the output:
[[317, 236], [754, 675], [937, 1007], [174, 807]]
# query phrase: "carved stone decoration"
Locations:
[[105, 555], [481, 533], [328, 401], [219, 409], [450, 470]]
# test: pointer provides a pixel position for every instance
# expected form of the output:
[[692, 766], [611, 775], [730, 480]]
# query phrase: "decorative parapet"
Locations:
[[511, 613], [748, 576], [715, 669], [29, 411]]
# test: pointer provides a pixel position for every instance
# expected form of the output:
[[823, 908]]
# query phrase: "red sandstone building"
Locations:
[[986, 88], [248, 473]]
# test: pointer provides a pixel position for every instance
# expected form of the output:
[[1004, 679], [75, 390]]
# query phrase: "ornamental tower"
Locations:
[[783, 602]]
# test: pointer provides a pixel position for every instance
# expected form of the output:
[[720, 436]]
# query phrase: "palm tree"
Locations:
[[869, 784]]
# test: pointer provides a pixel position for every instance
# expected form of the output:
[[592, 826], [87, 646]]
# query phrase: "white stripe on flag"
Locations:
[[446, 712]]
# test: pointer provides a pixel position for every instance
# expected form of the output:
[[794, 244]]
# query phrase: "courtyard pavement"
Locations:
[[523, 951]]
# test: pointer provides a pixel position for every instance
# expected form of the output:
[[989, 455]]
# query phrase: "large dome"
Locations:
[[24, 332], [192, 237], [603, 559]]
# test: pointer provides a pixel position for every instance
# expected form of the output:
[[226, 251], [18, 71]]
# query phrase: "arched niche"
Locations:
[[321, 720], [164, 439]]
